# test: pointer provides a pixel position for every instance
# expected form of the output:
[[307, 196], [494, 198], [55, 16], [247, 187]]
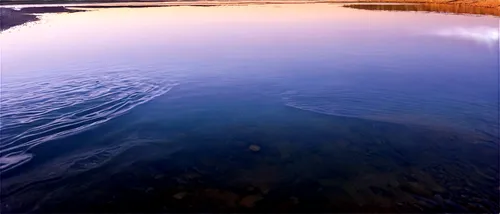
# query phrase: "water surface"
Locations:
[[154, 109]]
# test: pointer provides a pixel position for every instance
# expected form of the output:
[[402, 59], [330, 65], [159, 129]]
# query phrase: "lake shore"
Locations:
[[440, 8], [11, 17], [470, 3]]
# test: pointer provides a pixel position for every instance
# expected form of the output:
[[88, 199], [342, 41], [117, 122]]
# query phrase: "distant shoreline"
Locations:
[[471, 3], [10, 17]]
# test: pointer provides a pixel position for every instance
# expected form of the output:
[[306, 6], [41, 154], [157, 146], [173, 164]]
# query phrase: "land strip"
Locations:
[[10, 17]]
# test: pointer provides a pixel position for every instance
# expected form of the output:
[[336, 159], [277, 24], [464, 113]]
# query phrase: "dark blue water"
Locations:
[[155, 109]]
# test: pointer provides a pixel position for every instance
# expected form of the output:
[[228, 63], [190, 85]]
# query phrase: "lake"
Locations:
[[250, 108]]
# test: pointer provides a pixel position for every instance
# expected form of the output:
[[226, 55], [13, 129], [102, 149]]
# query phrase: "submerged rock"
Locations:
[[294, 200], [254, 148], [263, 187], [250, 200], [227, 198], [426, 203], [456, 207], [180, 195], [439, 199], [416, 188]]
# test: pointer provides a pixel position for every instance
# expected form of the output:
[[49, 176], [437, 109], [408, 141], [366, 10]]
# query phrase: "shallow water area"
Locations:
[[300, 107]]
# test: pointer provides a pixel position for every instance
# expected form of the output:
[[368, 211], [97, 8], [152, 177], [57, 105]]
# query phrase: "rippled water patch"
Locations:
[[400, 107], [49, 108]]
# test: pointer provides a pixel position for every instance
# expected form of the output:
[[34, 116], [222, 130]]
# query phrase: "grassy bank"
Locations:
[[434, 7], [469, 3]]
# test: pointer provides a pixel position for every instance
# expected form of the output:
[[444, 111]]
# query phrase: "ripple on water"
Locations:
[[49, 108], [398, 107]]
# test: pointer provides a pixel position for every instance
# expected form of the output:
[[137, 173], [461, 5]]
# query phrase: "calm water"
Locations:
[[154, 109]]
